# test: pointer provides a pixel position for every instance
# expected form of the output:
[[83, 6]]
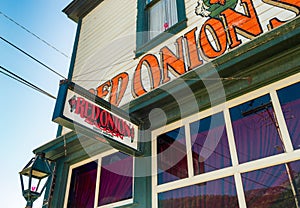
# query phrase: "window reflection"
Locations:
[[255, 129], [82, 187], [210, 149], [218, 193], [115, 178], [276, 186], [290, 103], [171, 156]]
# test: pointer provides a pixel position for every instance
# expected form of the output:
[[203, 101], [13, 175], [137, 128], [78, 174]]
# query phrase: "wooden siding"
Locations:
[[107, 41]]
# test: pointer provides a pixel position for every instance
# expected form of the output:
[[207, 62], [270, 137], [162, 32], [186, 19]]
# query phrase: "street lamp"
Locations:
[[37, 174]]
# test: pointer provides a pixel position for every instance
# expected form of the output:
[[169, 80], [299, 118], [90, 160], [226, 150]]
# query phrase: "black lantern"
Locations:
[[36, 175]]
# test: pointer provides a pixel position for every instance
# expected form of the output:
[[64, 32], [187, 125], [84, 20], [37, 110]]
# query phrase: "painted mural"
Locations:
[[215, 27]]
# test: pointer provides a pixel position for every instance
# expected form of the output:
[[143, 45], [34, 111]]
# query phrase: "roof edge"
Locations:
[[77, 9]]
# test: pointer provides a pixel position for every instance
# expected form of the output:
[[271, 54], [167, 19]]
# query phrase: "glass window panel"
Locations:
[[255, 129], [210, 148], [83, 184], [272, 187], [218, 193], [115, 178], [162, 15], [290, 103], [295, 176], [156, 19], [171, 156]]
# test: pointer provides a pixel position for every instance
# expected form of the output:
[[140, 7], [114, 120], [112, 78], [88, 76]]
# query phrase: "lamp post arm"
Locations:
[[29, 204]]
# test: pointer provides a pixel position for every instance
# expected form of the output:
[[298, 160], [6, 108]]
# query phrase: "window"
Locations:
[[245, 153], [255, 129], [171, 159], [208, 195], [104, 181], [290, 102], [210, 148], [83, 183], [157, 20], [276, 186], [162, 15], [115, 178]]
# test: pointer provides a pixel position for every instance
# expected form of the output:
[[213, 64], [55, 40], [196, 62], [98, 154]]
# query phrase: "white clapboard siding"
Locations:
[[108, 40], [107, 35]]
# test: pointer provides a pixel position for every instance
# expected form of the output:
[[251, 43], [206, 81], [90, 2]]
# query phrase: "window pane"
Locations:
[[171, 13], [210, 148], [162, 15], [115, 178], [171, 156], [82, 188], [212, 194], [272, 187], [290, 102], [254, 127]]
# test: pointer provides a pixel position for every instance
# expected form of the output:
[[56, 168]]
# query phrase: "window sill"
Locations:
[[160, 38], [124, 203]]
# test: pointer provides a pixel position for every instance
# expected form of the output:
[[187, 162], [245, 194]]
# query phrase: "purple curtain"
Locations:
[[82, 189], [291, 113], [256, 136], [210, 150], [116, 181], [289, 98], [220, 193], [171, 156], [85, 189]]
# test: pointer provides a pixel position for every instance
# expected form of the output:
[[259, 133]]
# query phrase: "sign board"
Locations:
[[85, 113]]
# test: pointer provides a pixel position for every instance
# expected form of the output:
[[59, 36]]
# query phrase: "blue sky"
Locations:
[[25, 113]]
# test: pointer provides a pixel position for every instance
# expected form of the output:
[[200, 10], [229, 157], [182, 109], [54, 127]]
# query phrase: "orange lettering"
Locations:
[[119, 85], [247, 25], [171, 62], [217, 31], [151, 62], [102, 90], [192, 50]]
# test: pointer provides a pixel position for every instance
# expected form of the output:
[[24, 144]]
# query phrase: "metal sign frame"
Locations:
[[78, 109]]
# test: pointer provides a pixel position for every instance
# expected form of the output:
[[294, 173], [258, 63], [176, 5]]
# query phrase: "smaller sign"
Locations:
[[80, 110]]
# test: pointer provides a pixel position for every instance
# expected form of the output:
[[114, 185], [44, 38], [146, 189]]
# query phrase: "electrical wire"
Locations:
[[27, 30], [114, 64], [25, 82], [30, 56], [101, 68]]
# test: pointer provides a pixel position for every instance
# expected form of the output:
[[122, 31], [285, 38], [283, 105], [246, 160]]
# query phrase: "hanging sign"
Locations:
[[81, 111]]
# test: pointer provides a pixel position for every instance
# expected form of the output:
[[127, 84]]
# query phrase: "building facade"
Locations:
[[213, 88]]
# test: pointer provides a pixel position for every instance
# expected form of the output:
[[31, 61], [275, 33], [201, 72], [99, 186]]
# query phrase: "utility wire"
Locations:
[[115, 64], [30, 56], [25, 82], [27, 30]]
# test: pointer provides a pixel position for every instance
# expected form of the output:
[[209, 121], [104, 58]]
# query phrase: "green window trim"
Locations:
[[143, 44]]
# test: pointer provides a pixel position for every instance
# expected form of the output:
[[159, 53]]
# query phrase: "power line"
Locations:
[[27, 30], [114, 64], [25, 82], [30, 56], [103, 67]]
